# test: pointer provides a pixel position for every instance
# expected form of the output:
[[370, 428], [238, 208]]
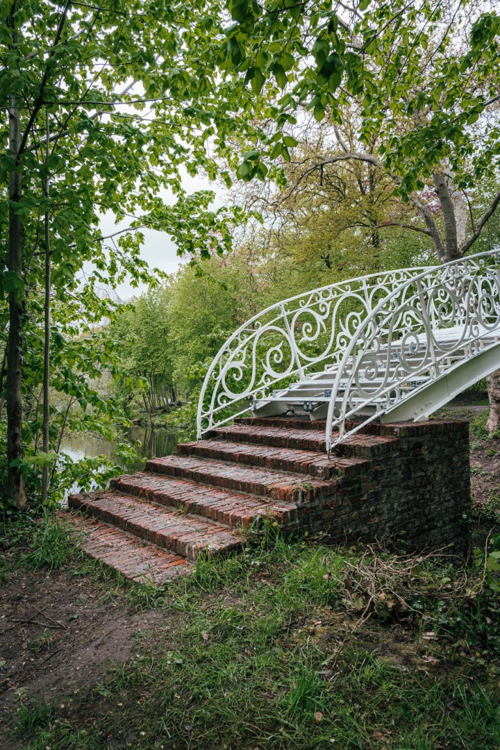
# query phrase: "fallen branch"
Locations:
[[36, 622], [48, 617]]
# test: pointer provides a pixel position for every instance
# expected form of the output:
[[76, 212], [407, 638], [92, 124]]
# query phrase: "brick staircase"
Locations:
[[154, 524]]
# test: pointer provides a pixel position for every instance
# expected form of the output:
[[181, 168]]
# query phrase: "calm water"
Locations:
[[150, 442]]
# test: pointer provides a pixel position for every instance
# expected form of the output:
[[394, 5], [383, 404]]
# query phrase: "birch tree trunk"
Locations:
[[493, 423]]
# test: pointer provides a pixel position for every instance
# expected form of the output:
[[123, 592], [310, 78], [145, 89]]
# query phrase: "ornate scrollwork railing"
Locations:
[[306, 333], [421, 329]]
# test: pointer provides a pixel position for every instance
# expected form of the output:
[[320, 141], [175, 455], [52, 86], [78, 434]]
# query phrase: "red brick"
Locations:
[[386, 480], [125, 553]]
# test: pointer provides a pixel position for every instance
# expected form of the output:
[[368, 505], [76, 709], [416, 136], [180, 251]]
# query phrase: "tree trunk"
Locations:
[[46, 343], [2, 375], [16, 316], [449, 218], [493, 423], [455, 222]]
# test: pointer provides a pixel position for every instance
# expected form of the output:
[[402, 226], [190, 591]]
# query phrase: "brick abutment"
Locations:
[[406, 485]]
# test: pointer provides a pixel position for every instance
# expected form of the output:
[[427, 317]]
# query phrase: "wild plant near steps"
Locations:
[[276, 648], [52, 546]]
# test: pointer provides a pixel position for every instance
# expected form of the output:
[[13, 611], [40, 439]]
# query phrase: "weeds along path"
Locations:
[[289, 646]]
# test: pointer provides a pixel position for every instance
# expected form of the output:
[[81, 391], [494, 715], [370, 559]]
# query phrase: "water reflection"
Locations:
[[150, 442], [154, 442]]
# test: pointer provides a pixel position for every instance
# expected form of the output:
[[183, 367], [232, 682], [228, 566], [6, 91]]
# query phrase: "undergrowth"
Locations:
[[295, 645], [43, 542], [52, 545]]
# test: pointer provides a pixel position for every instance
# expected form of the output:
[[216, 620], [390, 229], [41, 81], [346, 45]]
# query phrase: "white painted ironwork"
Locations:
[[362, 349], [286, 340]]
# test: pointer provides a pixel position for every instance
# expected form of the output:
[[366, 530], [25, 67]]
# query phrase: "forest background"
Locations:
[[345, 140]]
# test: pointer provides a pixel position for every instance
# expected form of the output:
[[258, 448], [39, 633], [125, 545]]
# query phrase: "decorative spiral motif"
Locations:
[[376, 334], [405, 338]]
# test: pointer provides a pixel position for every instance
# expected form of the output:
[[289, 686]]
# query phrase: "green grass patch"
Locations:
[[36, 543], [52, 545], [300, 646], [34, 717]]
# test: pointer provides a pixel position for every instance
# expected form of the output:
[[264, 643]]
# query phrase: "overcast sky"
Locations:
[[159, 250]]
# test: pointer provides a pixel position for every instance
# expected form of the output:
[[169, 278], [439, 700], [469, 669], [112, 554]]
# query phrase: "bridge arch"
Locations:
[[392, 346]]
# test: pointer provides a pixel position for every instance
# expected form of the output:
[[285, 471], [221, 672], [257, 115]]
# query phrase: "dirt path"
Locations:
[[58, 634]]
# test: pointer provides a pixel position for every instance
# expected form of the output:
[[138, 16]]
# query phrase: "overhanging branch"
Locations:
[[480, 225], [404, 226]]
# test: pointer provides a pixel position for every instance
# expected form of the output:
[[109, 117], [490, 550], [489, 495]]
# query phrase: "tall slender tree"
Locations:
[[131, 101]]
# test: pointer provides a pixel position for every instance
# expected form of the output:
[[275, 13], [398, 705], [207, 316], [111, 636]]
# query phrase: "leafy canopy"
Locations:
[[424, 74]]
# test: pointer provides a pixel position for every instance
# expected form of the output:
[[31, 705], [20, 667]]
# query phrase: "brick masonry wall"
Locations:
[[406, 485], [413, 492]]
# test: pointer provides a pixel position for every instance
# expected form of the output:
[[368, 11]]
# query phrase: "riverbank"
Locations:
[[294, 645]]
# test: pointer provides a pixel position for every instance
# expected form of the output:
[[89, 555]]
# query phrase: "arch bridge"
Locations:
[[391, 346]]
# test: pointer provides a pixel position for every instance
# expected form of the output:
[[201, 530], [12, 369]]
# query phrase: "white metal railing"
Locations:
[[286, 340], [373, 333], [418, 329]]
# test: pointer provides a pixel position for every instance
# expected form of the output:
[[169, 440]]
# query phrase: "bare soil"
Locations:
[[485, 467], [58, 634]]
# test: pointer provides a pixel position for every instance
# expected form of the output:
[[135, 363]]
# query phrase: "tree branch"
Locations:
[[120, 231], [404, 226], [340, 139], [346, 156], [450, 223], [39, 100], [431, 226], [480, 225]]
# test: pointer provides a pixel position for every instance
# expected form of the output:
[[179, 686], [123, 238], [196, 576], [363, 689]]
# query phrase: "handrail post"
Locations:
[[428, 327], [292, 341]]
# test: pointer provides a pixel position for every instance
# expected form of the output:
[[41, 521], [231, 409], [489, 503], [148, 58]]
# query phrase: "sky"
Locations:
[[159, 249]]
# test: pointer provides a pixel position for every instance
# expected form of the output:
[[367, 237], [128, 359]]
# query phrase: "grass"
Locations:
[[46, 542], [479, 432], [291, 646], [41, 642], [31, 718], [490, 510], [262, 650], [52, 545]]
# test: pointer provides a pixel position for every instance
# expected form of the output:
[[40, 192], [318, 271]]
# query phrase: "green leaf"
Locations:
[[12, 282], [251, 155], [320, 50], [280, 75], [287, 61], [276, 150], [239, 10], [319, 113], [257, 81], [335, 79], [244, 170]]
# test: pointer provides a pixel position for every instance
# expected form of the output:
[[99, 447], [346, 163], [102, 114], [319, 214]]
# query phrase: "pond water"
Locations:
[[150, 442]]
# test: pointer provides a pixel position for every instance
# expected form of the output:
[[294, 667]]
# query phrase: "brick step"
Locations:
[[136, 560], [276, 436], [224, 506], [181, 534], [359, 446], [300, 423], [315, 463], [281, 486]]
